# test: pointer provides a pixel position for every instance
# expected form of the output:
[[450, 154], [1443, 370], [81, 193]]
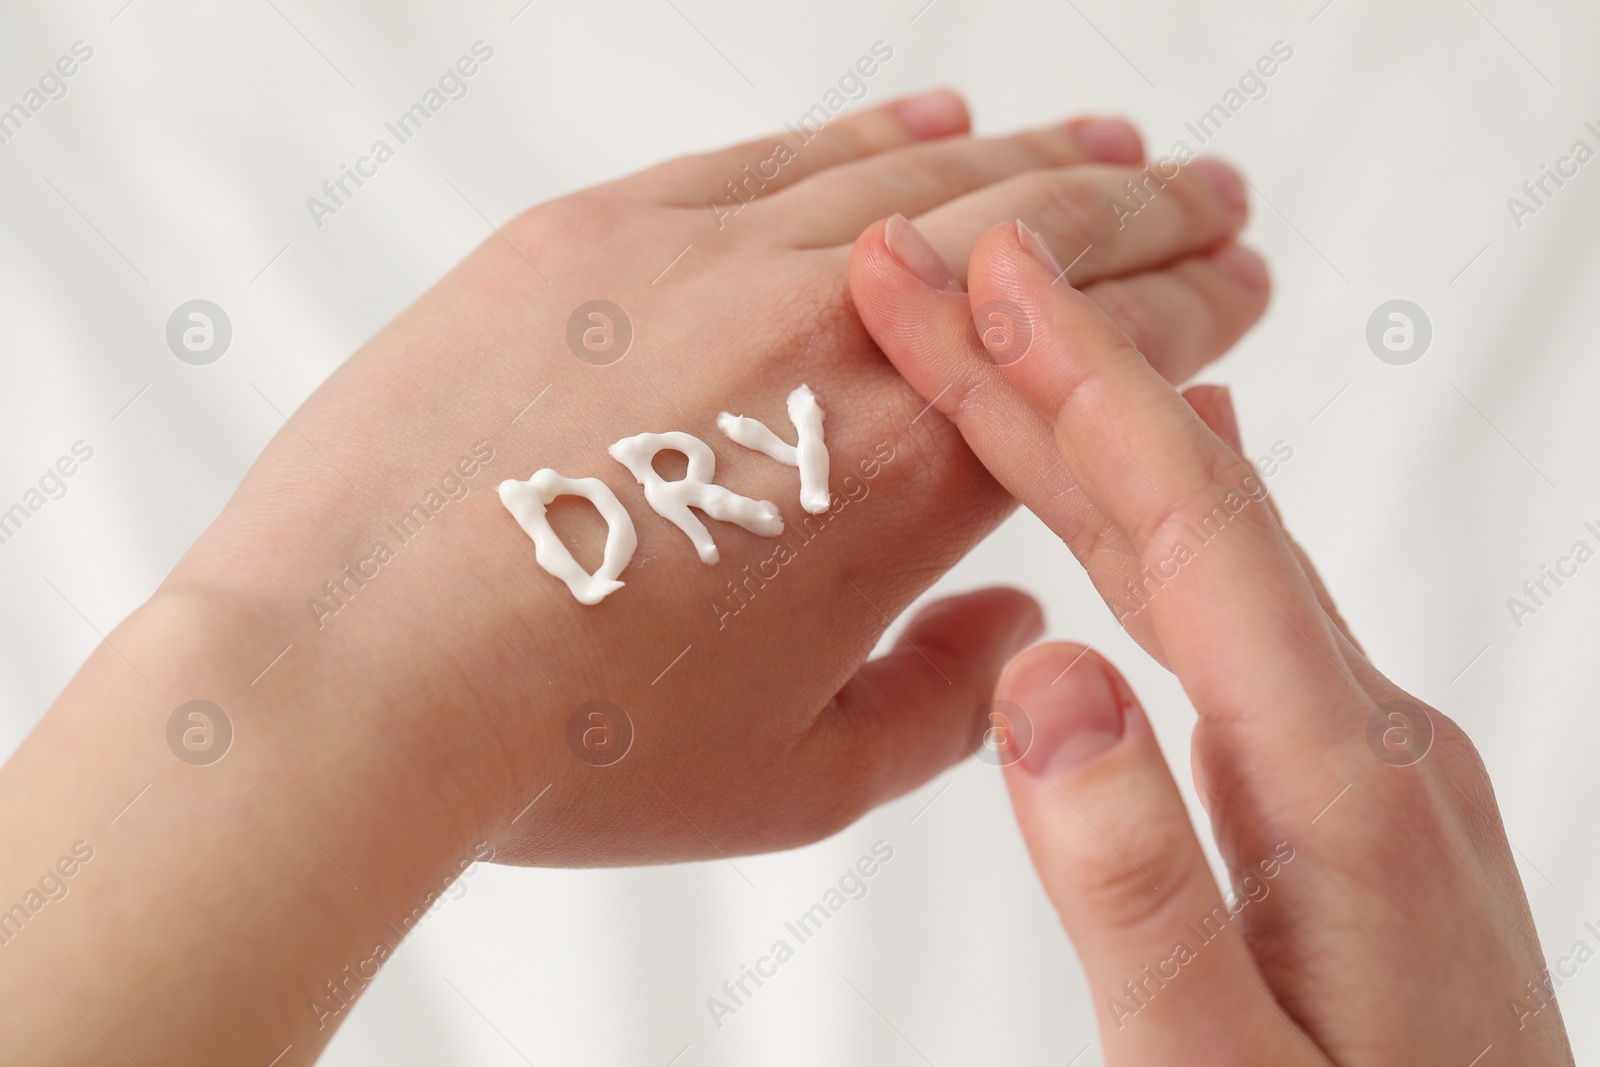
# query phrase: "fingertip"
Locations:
[[1075, 703], [1243, 266], [1004, 266], [1214, 405], [876, 276], [919, 318], [1034, 244], [1008, 243], [867, 251], [1027, 611], [869, 241], [1037, 621], [1014, 616], [1023, 302], [913, 251], [927, 703], [940, 112], [1108, 140], [1225, 183], [897, 282]]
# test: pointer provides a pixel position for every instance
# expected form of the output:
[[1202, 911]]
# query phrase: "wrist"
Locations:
[[374, 615], [347, 720], [277, 827]]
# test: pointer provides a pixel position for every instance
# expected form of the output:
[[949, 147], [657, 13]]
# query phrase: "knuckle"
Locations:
[[1051, 148], [814, 798], [536, 222], [809, 321], [856, 137], [946, 165], [963, 399], [1077, 377], [1143, 880], [1101, 547], [908, 176], [838, 795], [836, 810], [595, 215], [1471, 771], [1202, 504], [1462, 761]]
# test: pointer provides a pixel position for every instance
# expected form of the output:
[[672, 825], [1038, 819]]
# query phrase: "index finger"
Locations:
[[1236, 615]]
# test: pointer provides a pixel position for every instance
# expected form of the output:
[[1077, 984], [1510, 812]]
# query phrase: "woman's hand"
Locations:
[[1374, 913], [751, 728], [398, 713]]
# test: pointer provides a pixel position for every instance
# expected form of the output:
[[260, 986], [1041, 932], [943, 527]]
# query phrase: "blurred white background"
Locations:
[[177, 167]]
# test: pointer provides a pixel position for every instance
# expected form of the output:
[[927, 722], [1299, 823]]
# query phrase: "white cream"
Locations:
[[810, 455], [528, 500], [672, 500]]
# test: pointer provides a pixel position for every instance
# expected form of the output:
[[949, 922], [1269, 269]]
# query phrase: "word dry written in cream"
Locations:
[[528, 501]]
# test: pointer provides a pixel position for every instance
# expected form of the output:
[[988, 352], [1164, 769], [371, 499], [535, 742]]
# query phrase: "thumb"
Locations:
[[912, 712], [1167, 964]]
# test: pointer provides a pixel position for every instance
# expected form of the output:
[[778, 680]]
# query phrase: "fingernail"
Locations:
[[916, 255], [939, 113], [1242, 265], [1074, 710], [1225, 184], [1034, 245], [1108, 140]]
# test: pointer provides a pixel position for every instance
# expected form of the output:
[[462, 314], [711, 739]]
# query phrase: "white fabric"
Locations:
[[1383, 154]]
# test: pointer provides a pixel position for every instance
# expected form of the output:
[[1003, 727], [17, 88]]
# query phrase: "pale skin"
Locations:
[[1384, 919], [429, 714]]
